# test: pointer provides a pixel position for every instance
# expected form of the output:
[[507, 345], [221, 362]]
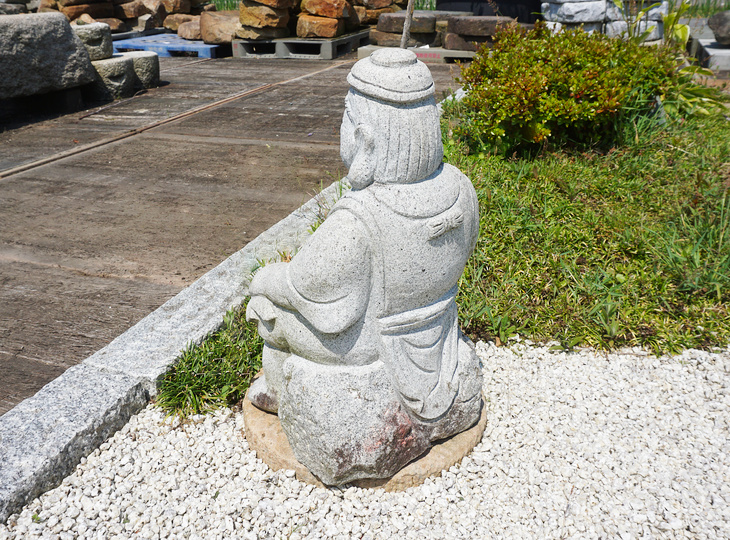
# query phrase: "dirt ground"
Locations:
[[92, 242]]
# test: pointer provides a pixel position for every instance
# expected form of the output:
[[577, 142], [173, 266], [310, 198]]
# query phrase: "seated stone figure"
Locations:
[[364, 360]]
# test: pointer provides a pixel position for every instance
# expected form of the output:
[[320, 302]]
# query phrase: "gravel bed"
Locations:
[[578, 445]]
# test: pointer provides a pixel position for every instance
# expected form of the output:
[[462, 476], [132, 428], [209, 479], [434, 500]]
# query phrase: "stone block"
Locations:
[[261, 16], [96, 11], [115, 78], [155, 8], [189, 30], [146, 68], [311, 26], [97, 38], [586, 27], [279, 4], [217, 27], [334, 9], [176, 6], [48, 6], [575, 12], [620, 29], [46, 42], [115, 24], [657, 13], [393, 39], [130, 10], [145, 22], [173, 22], [376, 4], [719, 23], [456, 42], [44, 437], [422, 23], [251, 32], [372, 15], [13, 9], [477, 25]]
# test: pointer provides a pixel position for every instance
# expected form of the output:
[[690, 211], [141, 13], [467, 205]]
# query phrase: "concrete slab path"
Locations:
[[107, 213]]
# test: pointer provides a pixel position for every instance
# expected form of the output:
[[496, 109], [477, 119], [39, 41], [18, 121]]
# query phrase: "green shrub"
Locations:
[[541, 88]]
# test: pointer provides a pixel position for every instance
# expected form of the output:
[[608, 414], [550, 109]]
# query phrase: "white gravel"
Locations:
[[578, 445]]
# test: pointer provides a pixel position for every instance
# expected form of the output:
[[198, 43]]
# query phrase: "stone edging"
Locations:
[[44, 437]]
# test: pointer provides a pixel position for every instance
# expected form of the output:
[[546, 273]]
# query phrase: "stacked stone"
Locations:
[[470, 33], [328, 18], [117, 75], [390, 29], [123, 15], [605, 16], [375, 8], [265, 19]]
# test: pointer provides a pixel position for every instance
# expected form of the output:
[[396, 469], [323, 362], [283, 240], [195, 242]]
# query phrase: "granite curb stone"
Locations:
[[44, 437]]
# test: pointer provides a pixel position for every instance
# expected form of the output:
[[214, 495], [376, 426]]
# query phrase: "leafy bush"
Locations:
[[570, 87]]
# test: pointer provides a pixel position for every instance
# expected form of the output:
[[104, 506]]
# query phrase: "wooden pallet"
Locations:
[[168, 45], [307, 48]]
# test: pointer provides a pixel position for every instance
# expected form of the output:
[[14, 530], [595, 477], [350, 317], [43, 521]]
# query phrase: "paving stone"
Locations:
[[423, 23], [311, 26], [217, 27], [46, 42], [260, 16], [43, 438], [477, 25], [334, 9]]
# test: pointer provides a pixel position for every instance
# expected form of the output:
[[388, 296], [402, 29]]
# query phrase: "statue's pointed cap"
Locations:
[[392, 74]]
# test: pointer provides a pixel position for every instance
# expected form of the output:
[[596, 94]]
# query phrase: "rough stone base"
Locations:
[[266, 437]]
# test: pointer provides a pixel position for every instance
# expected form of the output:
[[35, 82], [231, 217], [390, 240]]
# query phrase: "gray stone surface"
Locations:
[[620, 28], [115, 77], [657, 13], [423, 22], [13, 9], [364, 359], [575, 12], [586, 27], [45, 43], [97, 38], [44, 437], [719, 23], [146, 68]]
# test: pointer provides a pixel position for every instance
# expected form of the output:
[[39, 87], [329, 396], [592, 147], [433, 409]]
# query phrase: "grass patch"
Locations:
[[704, 8], [226, 5], [215, 373], [627, 247]]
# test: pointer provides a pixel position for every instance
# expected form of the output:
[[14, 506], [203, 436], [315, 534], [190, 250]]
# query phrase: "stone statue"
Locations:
[[364, 360]]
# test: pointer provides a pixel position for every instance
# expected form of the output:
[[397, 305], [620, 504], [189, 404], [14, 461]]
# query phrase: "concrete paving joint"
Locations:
[[44, 437]]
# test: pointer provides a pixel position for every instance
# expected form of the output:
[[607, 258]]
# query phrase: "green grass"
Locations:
[[629, 247], [226, 5], [215, 373], [705, 8]]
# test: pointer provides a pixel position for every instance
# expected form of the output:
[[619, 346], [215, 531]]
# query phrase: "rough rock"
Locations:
[[260, 16], [13, 9], [719, 23], [393, 39], [176, 6], [353, 21], [190, 30], [575, 12], [376, 4], [146, 68], [173, 22], [477, 26], [115, 78], [48, 6], [156, 8], [422, 23], [361, 12], [657, 13], [115, 24], [218, 27], [266, 437], [251, 32], [372, 15], [97, 38], [456, 42], [130, 10], [312, 26], [620, 28], [589, 28], [334, 9], [46, 42], [66, 3], [101, 10], [279, 4]]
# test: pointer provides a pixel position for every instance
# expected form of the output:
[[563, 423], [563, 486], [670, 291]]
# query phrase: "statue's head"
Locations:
[[390, 130]]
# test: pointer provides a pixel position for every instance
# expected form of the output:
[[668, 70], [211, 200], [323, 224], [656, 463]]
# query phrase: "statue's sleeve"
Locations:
[[328, 281]]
